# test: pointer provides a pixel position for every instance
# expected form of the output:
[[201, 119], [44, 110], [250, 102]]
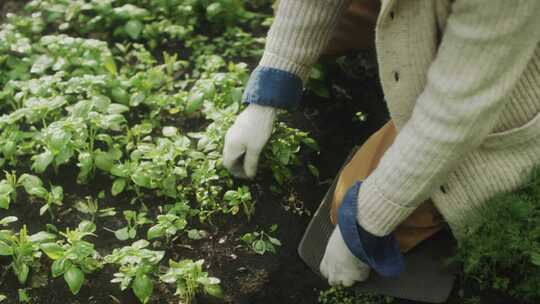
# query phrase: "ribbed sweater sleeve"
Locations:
[[300, 32], [484, 50]]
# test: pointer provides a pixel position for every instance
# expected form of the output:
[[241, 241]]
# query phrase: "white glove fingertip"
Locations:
[[251, 161]]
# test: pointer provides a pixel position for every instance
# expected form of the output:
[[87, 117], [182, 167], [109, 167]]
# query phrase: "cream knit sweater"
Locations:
[[462, 83]]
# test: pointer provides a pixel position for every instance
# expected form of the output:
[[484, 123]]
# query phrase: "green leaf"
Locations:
[[143, 287], [87, 226], [39, 192], [213, 10], [41, 237], [9, 148], [74, 277], [169, 131], [5, 249], [230, 195], [122, 234], [141, 180], [120, 95], [116, 108], [535, 258], [41, 64], [22, 273], [248, 238], [5, 188], [259, 246], [274, 241], [313, 170], [8, 220], [52, 250], [23, 296], [5, 201], [195, 234], [214, 290], [82, 108], [320, 89], [59, 267], [118, 186], [42, 161], [110, 65], [104, 160], [155, 232], [30, 181], [44, 209], [134, 28], [195, 102]]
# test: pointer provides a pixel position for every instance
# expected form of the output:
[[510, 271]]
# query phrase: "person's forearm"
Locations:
[[485, 49], [300, 32]]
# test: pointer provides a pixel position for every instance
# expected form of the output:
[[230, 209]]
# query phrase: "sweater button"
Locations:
[[396, 76], [392, 15], [443, 189]]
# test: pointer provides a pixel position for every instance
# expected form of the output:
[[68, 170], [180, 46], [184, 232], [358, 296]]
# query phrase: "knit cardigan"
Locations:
[[461, 80]]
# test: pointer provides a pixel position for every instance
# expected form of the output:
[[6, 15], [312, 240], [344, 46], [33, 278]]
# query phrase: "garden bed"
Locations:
[[285, 194]]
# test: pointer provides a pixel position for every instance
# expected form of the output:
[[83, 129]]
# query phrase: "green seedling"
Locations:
[[190, 279], [167, 225], [240, 198], [8, 190], [90, 206], [23, 250], [134, 221], [34, 187], [75, 257], [137, 268], [261, 242]]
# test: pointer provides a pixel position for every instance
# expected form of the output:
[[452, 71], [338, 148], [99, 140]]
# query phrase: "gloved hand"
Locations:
[[246, 138], [339, 265]]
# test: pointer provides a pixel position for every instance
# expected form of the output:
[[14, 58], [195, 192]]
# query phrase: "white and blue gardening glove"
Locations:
[[246, 138], [352, 251], [267, 90]]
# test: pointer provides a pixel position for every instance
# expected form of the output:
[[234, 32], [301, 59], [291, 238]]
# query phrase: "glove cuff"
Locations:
[[274, 88], [382, 254]]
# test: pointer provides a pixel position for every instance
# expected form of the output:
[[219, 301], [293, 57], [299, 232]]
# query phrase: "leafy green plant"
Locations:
[[74, 258], [8, 190], [190, 279], [240, 198], [167, 225], [261, 242], [34, 187], [502, 253], [283, 154], [134, 221], [23, 250], [90, 206], [137, 268]]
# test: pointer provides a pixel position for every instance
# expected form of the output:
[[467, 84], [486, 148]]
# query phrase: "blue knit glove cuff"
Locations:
[[382, 254], [274, 88]]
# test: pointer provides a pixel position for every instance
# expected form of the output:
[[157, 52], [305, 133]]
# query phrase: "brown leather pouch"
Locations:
[[421, 224]]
